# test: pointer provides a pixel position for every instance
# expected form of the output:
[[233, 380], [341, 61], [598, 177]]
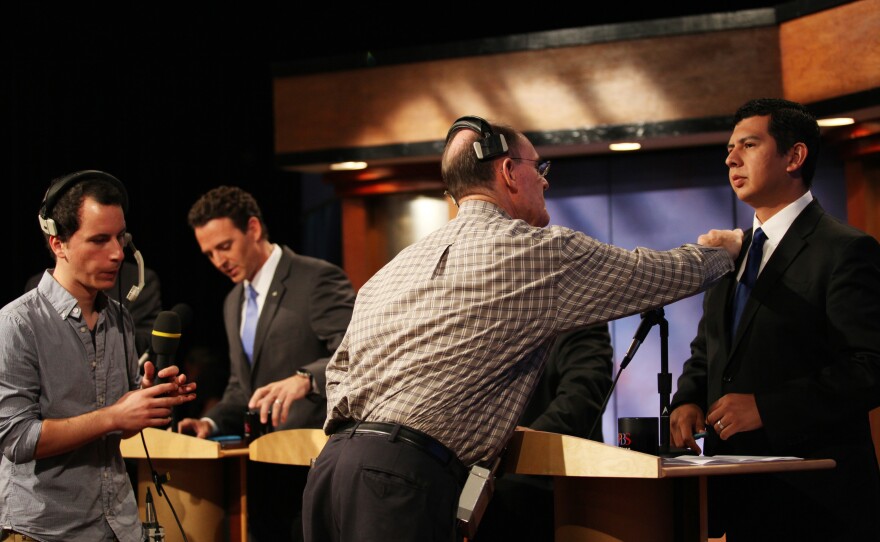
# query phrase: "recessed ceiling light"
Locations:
[[625, 146], [843, 121], [348, 166]]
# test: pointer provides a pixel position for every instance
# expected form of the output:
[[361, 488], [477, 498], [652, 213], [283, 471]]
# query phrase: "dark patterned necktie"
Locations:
[[747, 281]]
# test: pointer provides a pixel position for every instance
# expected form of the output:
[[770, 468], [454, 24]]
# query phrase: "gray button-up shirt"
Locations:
[[51, 368]]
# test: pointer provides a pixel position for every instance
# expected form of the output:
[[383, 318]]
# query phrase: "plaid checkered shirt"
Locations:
[[451, 336]]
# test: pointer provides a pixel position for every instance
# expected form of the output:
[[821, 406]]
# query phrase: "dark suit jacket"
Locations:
[[568, 399], [808, 347], [575, 381], [302, 323]]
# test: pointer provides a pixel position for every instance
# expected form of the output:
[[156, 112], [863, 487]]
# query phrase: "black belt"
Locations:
[[414, 438]]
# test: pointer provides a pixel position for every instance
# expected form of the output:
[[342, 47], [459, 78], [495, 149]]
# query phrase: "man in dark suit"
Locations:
[[801, 369], [567, 400], [301, 309]]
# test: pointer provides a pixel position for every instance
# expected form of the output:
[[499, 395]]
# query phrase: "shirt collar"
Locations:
[[778, 224], [63, 301], [263, 278], [477, 207]]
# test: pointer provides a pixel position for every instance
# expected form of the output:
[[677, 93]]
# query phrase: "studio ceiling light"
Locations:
[[842, 121], [348, 166], [625, 146]]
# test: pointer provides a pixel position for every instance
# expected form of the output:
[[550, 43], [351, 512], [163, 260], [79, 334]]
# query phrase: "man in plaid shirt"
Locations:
[[447, 341]]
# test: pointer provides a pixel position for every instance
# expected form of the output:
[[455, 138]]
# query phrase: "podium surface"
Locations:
[[604, 493], [288, 447], [206, 485]]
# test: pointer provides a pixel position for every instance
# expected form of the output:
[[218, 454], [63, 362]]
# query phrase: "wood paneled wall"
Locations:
[[831, 53], [569, 88]]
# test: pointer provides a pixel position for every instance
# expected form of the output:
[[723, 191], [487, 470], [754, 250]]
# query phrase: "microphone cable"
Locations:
[[158, 479], [605, 402], [122, 328], [170, 319]]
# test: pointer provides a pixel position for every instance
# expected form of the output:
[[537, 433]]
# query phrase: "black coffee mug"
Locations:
[[639, 434], [253, 427]]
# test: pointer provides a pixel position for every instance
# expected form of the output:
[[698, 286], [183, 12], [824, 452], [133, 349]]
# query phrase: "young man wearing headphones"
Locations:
[[70, 389]]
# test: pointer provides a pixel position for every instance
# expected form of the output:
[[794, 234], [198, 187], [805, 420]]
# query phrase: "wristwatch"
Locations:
[[306, 374]]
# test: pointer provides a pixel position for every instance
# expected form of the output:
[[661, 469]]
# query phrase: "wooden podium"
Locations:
[[288, 447], [603, 493], [206, 485]]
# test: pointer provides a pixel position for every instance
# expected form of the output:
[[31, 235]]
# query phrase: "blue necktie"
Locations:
[[249, 331], [747, 281]]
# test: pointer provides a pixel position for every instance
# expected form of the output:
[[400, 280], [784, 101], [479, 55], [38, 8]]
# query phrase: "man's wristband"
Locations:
[[312, 385]]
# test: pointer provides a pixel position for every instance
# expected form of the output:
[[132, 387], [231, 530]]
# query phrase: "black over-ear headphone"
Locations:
[[489, 146], [59, 187], [62, 185]]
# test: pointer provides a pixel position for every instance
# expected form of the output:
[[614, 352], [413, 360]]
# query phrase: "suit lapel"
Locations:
[[238, 293], [271, 303], [730, 292], [234, 314], [791, 245]]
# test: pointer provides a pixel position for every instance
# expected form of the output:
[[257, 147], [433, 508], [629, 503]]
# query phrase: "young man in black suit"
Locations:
[[801, 369]]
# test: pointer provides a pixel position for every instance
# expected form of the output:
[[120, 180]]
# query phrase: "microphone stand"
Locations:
[[664, 379], [664, 388], [664, 385], [649, 319]]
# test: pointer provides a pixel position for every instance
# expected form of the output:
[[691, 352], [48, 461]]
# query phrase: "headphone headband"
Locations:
[[60, 186], [489, 146]]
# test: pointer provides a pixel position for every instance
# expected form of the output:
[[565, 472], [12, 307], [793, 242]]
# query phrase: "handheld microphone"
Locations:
[[185, 314], [649, 319], [165, 338]]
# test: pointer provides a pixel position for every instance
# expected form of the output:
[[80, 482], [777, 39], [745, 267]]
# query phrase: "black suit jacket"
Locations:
[[577, 376], [568, 399], [808, 347], [304, 318]]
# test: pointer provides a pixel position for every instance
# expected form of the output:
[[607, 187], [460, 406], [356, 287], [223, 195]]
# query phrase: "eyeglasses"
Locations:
[[542, 166]]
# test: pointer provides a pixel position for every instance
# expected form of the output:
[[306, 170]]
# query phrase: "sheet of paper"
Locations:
[[724, 459]]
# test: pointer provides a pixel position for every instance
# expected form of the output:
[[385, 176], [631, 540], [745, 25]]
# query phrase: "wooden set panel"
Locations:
[[832, 52], [631, 81]]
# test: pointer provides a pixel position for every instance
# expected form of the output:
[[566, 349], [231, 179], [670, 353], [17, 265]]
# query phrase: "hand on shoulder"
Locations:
[[729, 240]]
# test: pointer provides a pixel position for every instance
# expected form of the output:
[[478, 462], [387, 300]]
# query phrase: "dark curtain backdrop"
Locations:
[[169, 129]]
